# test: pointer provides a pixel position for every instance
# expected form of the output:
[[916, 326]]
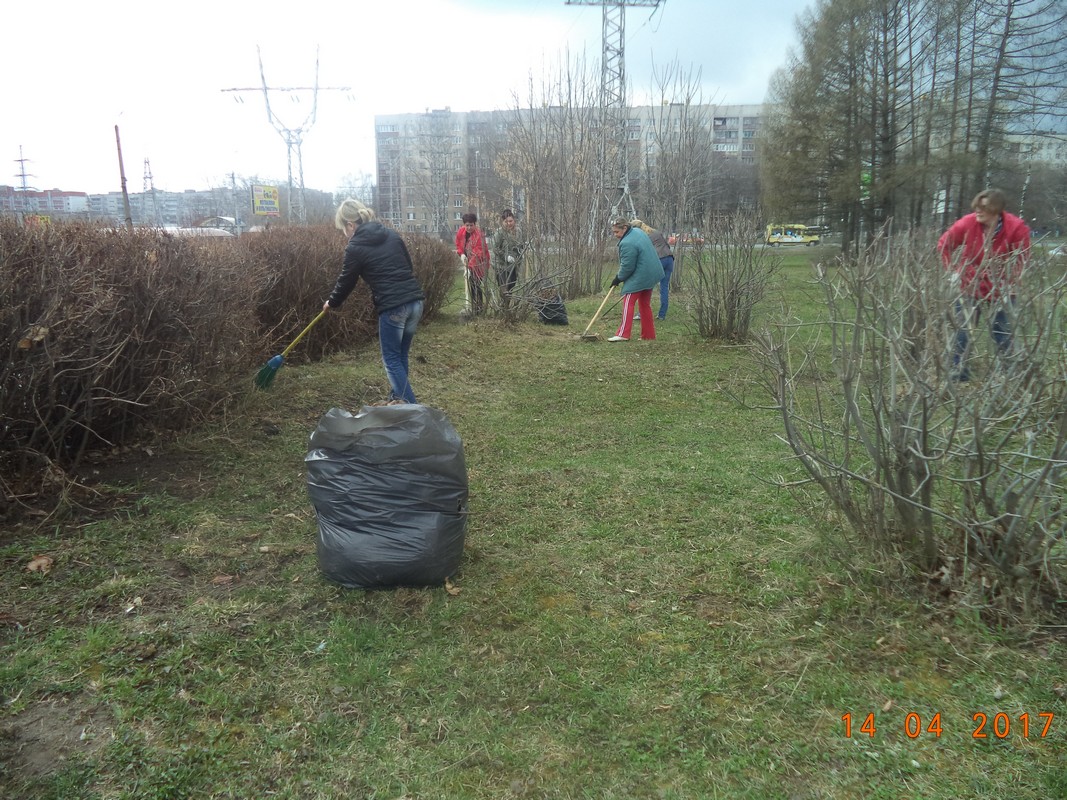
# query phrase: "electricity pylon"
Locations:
[[149, 191], [613, 167], [293, 137]]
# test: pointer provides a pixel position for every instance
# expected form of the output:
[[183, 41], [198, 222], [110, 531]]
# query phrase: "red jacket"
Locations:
[[476, 250], [963, 250]]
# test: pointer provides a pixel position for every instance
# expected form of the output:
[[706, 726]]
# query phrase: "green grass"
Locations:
[[641, 612]]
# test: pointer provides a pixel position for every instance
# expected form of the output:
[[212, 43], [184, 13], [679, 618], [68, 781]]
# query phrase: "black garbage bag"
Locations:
[[389, 487], [551, 311]]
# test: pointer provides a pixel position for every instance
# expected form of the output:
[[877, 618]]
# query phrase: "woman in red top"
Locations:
[[474, 253], [987, 252]]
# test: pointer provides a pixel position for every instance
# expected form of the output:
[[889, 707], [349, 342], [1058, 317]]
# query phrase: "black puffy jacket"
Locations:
[[379, 256]]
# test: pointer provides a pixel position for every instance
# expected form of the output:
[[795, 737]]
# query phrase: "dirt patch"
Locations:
[[155, 468], [40, 740]]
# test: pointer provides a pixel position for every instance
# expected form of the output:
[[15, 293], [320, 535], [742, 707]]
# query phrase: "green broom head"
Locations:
[[265, 376]]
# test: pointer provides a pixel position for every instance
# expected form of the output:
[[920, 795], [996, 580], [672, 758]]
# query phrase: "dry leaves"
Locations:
[[40, 564], [35, 334]]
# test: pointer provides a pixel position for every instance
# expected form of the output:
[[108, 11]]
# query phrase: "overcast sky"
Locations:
[[71, 71]]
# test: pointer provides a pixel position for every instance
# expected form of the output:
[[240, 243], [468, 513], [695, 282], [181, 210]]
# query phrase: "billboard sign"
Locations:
[[265, 201]]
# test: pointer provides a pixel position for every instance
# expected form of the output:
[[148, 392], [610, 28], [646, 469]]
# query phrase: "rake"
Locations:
[[265, 376], [586, 336]]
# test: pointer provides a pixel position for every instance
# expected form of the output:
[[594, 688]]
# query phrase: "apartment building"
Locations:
[[434, 166], [46, 203], [1045, 147]]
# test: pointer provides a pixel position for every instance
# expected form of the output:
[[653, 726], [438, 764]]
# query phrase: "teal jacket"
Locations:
[[639, 266]]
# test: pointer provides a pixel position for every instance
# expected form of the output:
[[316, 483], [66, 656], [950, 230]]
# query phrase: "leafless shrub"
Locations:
[[964, 479], [108, 331], [112, 332], [435, 267], [733, 272]]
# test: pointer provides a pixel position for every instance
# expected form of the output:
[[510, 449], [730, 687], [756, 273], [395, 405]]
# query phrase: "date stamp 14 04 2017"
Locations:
[[982, 725]]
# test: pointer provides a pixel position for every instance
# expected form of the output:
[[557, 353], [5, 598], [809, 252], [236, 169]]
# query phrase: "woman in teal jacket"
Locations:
[[639, 272]]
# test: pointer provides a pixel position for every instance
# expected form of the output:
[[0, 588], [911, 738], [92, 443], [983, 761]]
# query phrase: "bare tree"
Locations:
[[678, 167], [552, 154], [903, 110]]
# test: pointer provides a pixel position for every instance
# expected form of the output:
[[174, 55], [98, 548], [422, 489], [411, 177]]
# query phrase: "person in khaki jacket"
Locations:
[[507, 251]]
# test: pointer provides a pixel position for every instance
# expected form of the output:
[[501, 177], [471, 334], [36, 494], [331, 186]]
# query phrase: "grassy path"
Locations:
[[640, 613]]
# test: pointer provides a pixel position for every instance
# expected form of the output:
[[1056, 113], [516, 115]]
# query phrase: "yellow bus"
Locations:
[[778, 235]]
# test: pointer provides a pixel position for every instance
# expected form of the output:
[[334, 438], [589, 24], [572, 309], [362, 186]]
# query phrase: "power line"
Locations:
[[22, 175], [615, 182], [149, 190], [293, 137]]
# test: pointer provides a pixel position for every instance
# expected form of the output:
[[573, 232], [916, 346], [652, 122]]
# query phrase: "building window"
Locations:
[[411, 215]]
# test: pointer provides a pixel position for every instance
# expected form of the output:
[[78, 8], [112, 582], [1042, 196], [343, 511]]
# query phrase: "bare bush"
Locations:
[[964, 479], [109, 331], [301, 265], [733, 272], [435, 267], [112, 332]]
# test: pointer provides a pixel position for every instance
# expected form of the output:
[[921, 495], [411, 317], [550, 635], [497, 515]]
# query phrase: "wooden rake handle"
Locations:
[[596, 316]]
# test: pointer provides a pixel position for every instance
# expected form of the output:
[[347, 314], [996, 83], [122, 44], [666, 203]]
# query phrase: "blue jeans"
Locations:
[[665, 284], [1001, 330], [396, 329]]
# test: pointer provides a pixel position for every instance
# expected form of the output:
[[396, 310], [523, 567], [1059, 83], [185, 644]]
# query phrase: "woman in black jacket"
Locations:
[[378, 255]]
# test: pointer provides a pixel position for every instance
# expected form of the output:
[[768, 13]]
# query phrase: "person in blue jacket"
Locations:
[[379, 256], [640, 271]]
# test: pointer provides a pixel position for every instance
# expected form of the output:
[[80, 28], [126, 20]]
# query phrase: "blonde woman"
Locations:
[[379, 256], [666, 258]]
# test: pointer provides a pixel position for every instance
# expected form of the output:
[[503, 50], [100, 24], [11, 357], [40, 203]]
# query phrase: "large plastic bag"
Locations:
[[389, 487]]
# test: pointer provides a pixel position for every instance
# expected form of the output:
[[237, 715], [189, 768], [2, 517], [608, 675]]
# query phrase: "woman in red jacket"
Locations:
[[474, 253], [987, 252]]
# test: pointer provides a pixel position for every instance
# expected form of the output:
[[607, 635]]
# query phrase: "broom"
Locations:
[[265, 377]]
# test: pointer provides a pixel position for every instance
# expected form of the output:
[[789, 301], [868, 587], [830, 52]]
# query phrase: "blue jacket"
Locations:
[[639, 266]]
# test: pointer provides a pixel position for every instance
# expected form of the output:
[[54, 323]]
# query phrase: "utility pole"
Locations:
[[293, 137], [122, 177], [613, 166], [236, 204]]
